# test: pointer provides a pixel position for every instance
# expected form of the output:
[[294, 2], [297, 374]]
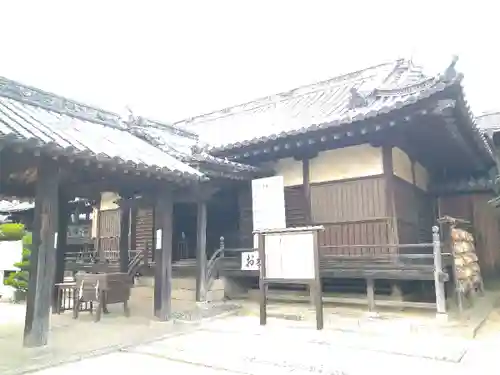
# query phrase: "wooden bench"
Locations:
[[102, 289]]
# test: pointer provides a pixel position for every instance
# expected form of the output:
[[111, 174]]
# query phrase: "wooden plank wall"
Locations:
[[246, 218], [485, 223], [352, 212], [109, 234], [144, 222], [414, 212]]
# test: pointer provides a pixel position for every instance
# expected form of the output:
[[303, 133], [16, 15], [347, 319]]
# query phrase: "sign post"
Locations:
[[290, 256]]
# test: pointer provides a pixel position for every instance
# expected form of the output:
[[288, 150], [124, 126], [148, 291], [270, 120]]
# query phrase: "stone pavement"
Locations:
[[238, 345], [71, 339]]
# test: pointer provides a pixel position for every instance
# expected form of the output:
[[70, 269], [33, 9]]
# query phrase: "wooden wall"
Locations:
[[414, 212], [485, 224], [351, 199], [353, 212]]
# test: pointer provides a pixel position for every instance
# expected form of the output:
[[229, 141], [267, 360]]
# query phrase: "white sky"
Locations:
[[176, 59]]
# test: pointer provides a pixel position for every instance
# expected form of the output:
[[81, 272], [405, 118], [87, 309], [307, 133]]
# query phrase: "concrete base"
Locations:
[[234, 289], [184, 288]]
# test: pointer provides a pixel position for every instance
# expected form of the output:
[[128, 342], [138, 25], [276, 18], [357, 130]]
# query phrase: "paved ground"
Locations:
[[352, 343], [238, 345], [72, 339]]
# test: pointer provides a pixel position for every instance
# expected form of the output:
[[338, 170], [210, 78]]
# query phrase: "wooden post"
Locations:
[[124, 243], [163, 268], [438, 273], [317, 287], [370, 293], [389, 193], [262, 280], [392, 235], [43, 255], [62, 239], [306, 188], [201, 251]]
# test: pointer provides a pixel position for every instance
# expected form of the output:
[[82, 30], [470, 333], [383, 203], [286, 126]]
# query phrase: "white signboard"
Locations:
[[268, 204], [250, 261], [290, 255], [10, 252]]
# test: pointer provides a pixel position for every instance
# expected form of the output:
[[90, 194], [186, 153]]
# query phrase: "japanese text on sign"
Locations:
[[250, 261]]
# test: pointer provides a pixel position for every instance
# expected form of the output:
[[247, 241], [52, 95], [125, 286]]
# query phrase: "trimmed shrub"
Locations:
[[11, 231]]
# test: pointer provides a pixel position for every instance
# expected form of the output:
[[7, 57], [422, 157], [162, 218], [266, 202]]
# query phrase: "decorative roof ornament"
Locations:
[[197, 149], [356, 100], [451, 72], [127, 117]]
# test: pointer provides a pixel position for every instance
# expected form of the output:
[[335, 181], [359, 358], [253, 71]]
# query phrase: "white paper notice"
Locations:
[[268, 203], [290, 256], [158, 239]]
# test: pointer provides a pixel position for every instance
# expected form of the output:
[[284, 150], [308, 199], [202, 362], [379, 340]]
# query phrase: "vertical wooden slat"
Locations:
[[43, 256]]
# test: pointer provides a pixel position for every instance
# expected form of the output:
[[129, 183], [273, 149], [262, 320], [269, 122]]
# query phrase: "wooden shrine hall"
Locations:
[[375, 157], [55, 149]]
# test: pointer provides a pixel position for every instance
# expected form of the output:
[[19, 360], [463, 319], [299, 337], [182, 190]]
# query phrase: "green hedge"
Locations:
[[12, 231]]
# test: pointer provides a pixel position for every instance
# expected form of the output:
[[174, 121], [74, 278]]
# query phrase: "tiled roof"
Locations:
[[67, 127], [182, 144], [344, 99], [15, 206], [489, 122]]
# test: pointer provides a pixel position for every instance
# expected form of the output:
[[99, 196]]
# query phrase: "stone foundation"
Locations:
[[234, 288], [184, 288]]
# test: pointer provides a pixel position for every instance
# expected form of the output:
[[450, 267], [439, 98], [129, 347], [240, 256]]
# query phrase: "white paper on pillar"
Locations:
[[158, 239]]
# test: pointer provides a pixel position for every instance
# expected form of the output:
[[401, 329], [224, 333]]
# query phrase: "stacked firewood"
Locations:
[[467, 271]]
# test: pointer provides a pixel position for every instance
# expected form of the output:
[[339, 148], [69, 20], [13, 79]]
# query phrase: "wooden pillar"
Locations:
[[201, 251], [392, 235], [306, 188], [163, 258], [389, 194], [62, 239], [43, 256], [124, 244]]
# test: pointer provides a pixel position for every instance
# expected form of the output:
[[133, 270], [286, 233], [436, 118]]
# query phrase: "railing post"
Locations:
[[438, 274], [221, 245]]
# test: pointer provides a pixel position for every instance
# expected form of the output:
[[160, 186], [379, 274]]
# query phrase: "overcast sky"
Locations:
[[175, 59]]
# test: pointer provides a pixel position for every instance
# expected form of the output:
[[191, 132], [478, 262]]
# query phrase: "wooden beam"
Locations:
[[201, 251], [43, 256], [62, 236], [163, 258]]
